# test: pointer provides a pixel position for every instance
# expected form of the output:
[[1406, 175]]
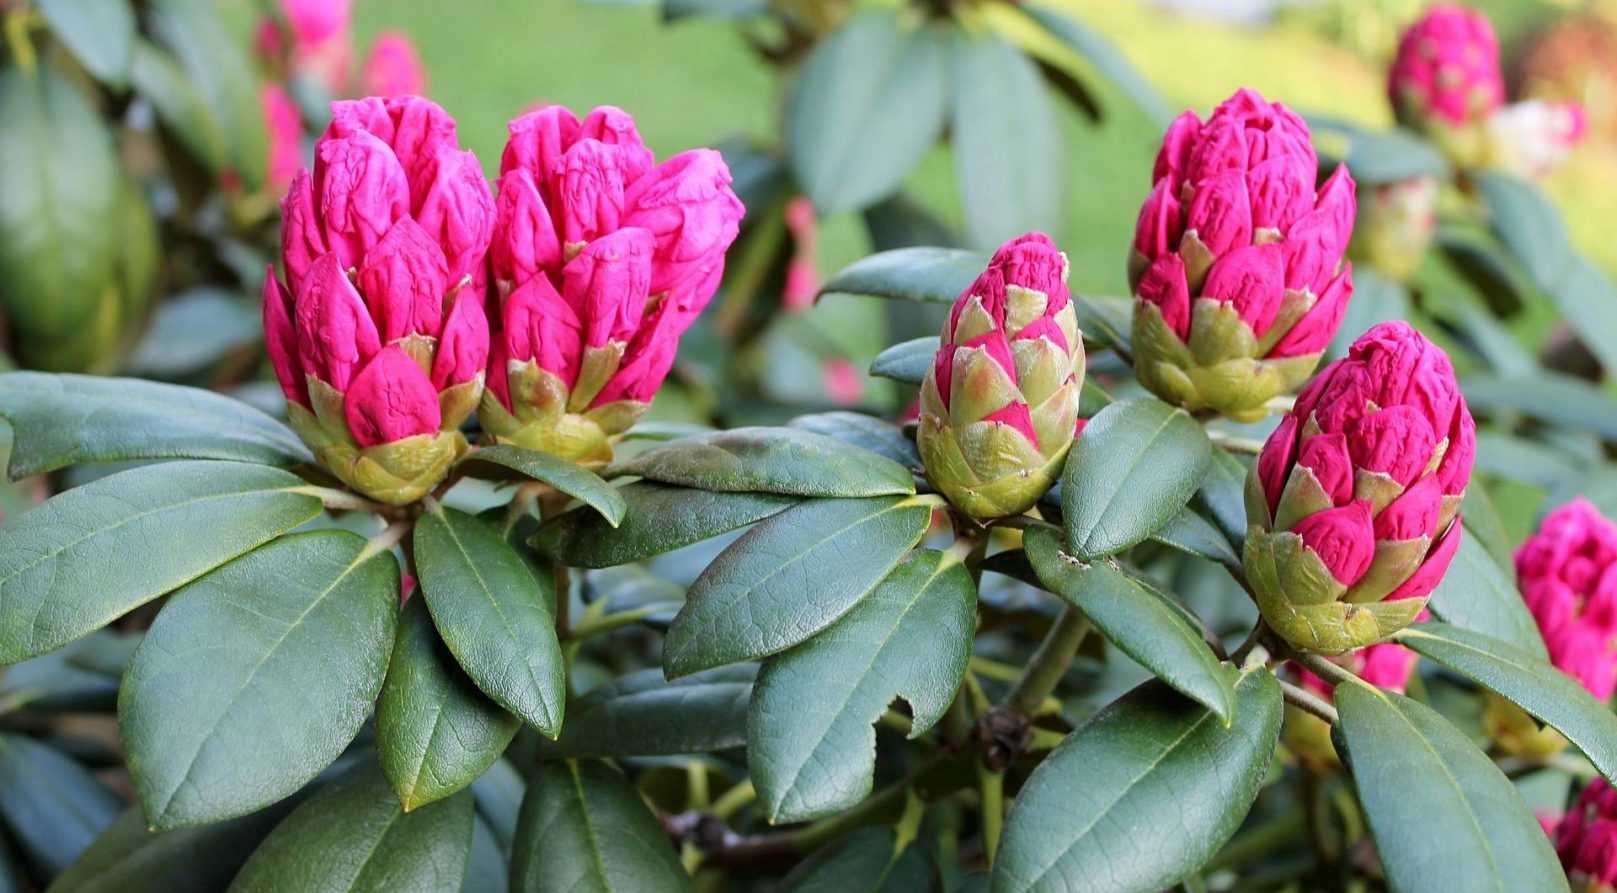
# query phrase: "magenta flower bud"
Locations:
[[1567, 572], [604, 258], [393, 67], [381, 342], [1256, 287], [1586, 839], [1353, 524], [284, 125], [1446, 74]]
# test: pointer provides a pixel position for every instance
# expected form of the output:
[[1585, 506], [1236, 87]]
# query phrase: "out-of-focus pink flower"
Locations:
[[602, 258], [1586, 839], [843, 383], [1446, 73], [314, 22], [1360, 487], [284, 124], [393, 67], [1533, 138], [1567, 572], [802, 271], [379, 337], [320, 41]]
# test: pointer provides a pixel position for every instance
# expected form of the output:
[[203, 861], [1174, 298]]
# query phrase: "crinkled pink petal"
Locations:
[[592, 182], [1164, 285], [1250, 278], [1426, 577], [524, 242], [1313, 251], [1174, 156], [615, 127], [1397, 441], [1326, 455], [498, 380], [1338, 204], [360, 190], [1160, 224], [301, 239], [540, 326], [1413, 514], [1032, 261], [464, 346], [390, 399], [607, 285], [1282, 190], [648, 358], [1407, 368], [943, 370], [998, 348], [459, 212], [1342, 538], [1015, 415], [1274, 462], [1313, 333], [280, 340], [1221, 213], [335, 332], [687, 204], [1454, 471], [1220, 151], [404, 280]]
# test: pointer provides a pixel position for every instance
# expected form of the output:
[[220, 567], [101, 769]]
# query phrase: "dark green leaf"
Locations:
[[499, 800], [877, 435], [193, 330], [1141, 795], [99, 32], [868, 103], [908, 362], [494, 612], [1443, 815], [256, 677], [1189, 532], [866, 861], [435, 732], [642, 714], [1557, 399], [574, 480], [733, 10], [585, 829], [129, 858], [1385, 156], [1106, 58], [790, 461], [93, 553], [1140, 621], [1481, 518], [486, 868], [52, 805], [63, 420], [353, 836], [1478, 594], [659, 519], [1222, 495], [750, 602], [213, 60], [1008, 149], [811, 746], [1104, 320], [934, 275], [1527, 681], [158, 78], [55, 681], [1136, 465]]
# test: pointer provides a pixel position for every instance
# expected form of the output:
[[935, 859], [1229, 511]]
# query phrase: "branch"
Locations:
[[1049, 662], [1305, 700]]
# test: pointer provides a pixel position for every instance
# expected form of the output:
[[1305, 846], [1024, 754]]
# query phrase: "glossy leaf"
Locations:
[[487, 870], [1478, 594], [1222, 495], [63, 420], [866, 861], [1105, 320], [585, 829], [353, 836], [1557, 399], [51, 805], [435, 731], [129, 858], [1143, 623], [811, 746], [751, 601], [929, 275], [1009, 157], [1192, 534], [790, 461], [1527, 681], [574, 480], [494, 612], [658, 518], [1444, 817], [195, 329], [907, 361], [256, 677], [91, 554], [868, 432], [1136, 465], [868, 103], [1105, 56], [1141, 795], [202, 44], [642, 714], [99, 32]]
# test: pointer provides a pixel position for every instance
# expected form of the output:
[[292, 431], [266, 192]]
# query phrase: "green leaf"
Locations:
[[353, 836], [790, 461], [1192, 534], [129, 858], [750, 602], [877, 435], [1141, 795], [1137, 464], [865, 861], [928, 275], [486, 868], [256, 677], [63, 420], [1477, 593], [1222, 495], [1481, 518], [642, 714], [908, 362], [1009, 157], [52, 806], [91, 554], [158, 78], [1106, 58], [1444, 817], [62, 681], [574, 480], [193, 330], [585, 829], [494, 612], [213, 60], [1527, 681], [435, 732], [1530, 227], [60, 190], [659, 518], [1105, 320], [498, 794], [811, 746], [1383, 156], [99, 32], [868, 103], [1143, 623], [1547, 396]]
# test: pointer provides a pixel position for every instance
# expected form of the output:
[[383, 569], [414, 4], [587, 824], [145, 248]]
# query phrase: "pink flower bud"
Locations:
[[391, 399], [1342, 537], [1446, 72], [284, 125], [1221, 149], [393, 67], [1220, 213], [525, 241], [335, 332], [1313, 333], [1017, 416], [593, 176], [1174, 156], [1326, 455], [1282, 190], [615, 127], [464, 345], [280, 340], [1567, 572], [1388, 666], [1430, 573], [360, 189], [1161, 222], [1396, 441], [537, 141], [648, 358], [301, 238], [686, 203], [1164, 285], [843, 383], [316, 21], [542, 327], [1250, 279], [1414, 514], [416, 129], [404, 280], [607, 285], [458, 211]]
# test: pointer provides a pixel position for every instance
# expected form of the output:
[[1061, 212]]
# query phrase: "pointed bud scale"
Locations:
[[1256, 288], [1360, 526], [999, 408], [382, 345], [605, 258]]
